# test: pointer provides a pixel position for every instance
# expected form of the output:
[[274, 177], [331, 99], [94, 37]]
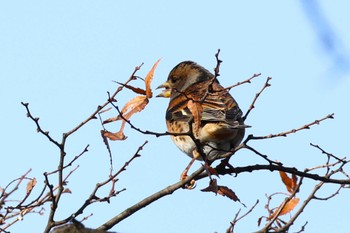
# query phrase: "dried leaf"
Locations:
[[107, 145], [286, 209], [67, 190], [113, 136], [134, 89], [105, 110], [149, 78], [105, 140], [196, 109], [295, 180], [259, 221], [227, 192], [135, 105], [213, 171], [31, 185], [290, 183], [213, 187], [109, 120], [222, 190]]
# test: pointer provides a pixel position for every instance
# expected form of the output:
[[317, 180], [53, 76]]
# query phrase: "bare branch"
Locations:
[[271, 167], [284, 134], [267, 84], [245, 81], [237, 218], [93, 115], [39, 129], [218, 62], [148, 200]]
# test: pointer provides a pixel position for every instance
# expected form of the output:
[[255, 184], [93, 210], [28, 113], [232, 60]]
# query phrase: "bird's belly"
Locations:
[[218, 133]]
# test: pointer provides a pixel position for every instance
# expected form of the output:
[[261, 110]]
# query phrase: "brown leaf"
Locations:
[[67, 190], [112, 119], [196, 109], [134, 89], [259, 221], [227, 192], [105, 110], [213, 171], [222, 190], [286, 209], [149, 78], [288, 182], [31, 185], [213, 187], [135, 105], [105, 140], [113, 136], [295, 181]]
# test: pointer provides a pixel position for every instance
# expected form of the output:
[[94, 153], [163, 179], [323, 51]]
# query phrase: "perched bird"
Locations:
[[201, 108]]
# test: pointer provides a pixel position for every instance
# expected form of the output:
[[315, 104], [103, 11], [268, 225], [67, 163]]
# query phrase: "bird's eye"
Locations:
[[173, 79]]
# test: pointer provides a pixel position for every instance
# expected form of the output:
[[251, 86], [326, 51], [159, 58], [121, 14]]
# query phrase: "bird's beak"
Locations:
[[165, 93]]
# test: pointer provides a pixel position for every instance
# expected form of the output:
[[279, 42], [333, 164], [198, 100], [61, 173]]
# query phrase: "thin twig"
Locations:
[[245, 81], [71, 162], [327, 153], [93, 198], [237, 218], [93, 115], [284, 134], [267, 84], [218, 62], [148, 200], [281, 207], [39, 129]]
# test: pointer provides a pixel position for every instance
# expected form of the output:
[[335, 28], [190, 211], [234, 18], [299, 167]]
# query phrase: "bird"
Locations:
[[204, 120]]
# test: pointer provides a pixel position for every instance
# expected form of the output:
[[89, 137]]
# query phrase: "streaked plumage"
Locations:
[[221, 125]]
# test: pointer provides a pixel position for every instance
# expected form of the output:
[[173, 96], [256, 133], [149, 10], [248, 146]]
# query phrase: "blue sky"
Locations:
[[62, 56]]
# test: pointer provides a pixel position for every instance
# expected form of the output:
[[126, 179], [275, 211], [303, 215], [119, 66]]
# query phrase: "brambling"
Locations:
[[221, 127]]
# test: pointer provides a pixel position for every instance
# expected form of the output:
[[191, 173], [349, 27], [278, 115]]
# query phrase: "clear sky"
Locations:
[[62, 56]]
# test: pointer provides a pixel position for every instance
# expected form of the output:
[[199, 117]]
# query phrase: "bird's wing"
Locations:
[[217, 104]]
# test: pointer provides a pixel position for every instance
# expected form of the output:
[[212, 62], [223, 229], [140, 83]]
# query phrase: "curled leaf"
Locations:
[[105, 110], [222, 190], [227, 192], [213, 187], [196, 109], [289, 206], [137, 104], [290, 183], [113, 136], [134, 89], [133, 106], [67, 190], [31, 185], [149, 78]]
